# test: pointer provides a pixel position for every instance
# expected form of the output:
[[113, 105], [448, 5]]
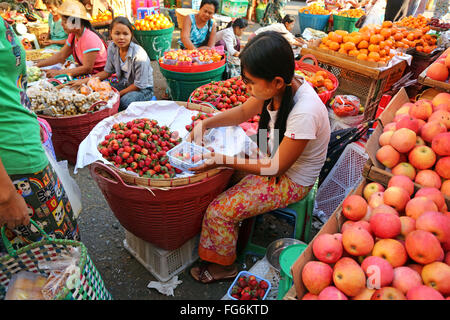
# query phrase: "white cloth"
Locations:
[[278, 27], [228, 36], [307, 120]]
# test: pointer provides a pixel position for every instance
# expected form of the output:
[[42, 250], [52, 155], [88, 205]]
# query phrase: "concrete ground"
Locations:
[[103, 235]]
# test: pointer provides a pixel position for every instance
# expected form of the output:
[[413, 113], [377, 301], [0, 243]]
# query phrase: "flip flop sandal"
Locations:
[[204, 276]]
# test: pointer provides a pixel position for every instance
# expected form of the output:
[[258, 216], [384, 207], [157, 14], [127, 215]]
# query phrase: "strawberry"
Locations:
[[253, 283], [263, 284], [242, 282]]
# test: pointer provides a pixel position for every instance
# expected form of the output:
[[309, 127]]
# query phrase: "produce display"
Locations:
[[33, 74], [435, 23], [249, 287], [346, 106], [351, 13], [417, 143], [32, 55], [102, 17], [314, 8], [199, 117], [393, 245], [440, 69], [319, 80], [412, 22], [187, 57], [47, 99], [377, 43], [155, 21], [140, 146]]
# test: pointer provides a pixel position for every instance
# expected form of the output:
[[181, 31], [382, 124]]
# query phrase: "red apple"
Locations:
[[418, 205], [428, 178], [354, 207], [402, 182], [404, 169], [388, 293], [385, 138], [445, 188], [365, 294], [391, 250], [423, 292], [435, 222], [408, 225], [379, 272], [327, 248], [396, 197], [403, 140], [332, 293], [421, 109], [390, 127], [441, 98], [422, 157], [431, 129], [442, 116], [310, 296], [316, 276], [443, 168], [388, 156], [371, 188], [433, 194], [357, 241], [349, 277], [423, 247], [437, 276], [376, 199], [347, 224], [406, 278], [441, 144], [408, 122]]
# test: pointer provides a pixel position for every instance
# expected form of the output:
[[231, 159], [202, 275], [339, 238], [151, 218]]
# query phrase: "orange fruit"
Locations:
[[349, 46], [363, 44], [374, 55], [334, 46], [386, 33], [353, 53], [365, 36], [361, 56], [398, 36], [419, 48], [343, 51], [335, 37], [364, 51], [323, 46], [374, 48], [342, 33], [328, 84]]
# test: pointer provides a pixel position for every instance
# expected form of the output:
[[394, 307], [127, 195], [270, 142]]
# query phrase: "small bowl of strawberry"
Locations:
[[249, 286]]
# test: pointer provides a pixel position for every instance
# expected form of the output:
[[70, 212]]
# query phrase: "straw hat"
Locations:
[[73, 8]]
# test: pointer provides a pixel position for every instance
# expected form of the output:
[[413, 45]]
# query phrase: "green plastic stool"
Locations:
[[301, 211], [287, 258]]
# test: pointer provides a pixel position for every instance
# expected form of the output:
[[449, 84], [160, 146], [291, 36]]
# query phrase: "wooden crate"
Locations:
[[426, 81], [359, 79]]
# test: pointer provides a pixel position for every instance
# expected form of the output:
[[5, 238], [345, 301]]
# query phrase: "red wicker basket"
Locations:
[[300, 65], [68, 132], [165, 218]]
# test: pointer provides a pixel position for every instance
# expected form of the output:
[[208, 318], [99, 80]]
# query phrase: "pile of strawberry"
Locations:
[[141, 146], [248, 288], [224, 95]]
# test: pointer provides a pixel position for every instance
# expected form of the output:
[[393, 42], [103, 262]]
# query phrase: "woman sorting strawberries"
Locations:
[[129, 62], [299, 132]]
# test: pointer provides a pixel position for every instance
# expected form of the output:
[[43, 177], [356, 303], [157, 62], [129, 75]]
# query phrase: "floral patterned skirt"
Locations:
[[252, 196]]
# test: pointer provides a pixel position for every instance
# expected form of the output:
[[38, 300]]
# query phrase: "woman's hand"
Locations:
[[197, 133], [213, 160], [52, 73], [14, 211], [47, 42], [78, 83]]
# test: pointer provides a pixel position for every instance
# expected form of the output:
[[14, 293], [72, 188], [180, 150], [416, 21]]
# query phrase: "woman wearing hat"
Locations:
[[84, 43]]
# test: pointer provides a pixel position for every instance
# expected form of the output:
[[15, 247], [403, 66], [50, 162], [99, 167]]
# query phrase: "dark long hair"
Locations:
[[239, 22], [266, 56], [126, 23]]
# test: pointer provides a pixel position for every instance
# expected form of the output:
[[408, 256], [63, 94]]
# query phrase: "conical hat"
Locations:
[[73, 8]]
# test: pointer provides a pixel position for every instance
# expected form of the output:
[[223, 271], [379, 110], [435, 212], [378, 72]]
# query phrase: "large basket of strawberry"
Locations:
[[143, 189], [224, 95], [324, 82]]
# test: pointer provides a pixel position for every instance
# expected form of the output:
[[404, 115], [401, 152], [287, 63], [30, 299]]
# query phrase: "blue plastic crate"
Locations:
[[247, 274], [186, 147], [313, 21]]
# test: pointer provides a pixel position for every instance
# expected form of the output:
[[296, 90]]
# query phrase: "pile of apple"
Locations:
[[440, 69], [141, 146], [417, 143], [394, 245]]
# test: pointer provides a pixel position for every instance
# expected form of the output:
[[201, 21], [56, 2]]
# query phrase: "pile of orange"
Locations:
[[374, 43], [102, 17], [351, 13], [155, 21], [419, 22], [314, 9], [319, 79]]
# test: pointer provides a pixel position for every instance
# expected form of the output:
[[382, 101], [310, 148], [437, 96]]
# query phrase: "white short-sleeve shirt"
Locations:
[[307, 120]]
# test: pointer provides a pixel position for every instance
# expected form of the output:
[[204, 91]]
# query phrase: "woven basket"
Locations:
[[173, 182], [90, 286], [69, 131], [166, 218], [300, 65]]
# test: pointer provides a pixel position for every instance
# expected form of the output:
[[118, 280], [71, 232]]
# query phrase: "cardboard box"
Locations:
[[333, 225], [374, 170]]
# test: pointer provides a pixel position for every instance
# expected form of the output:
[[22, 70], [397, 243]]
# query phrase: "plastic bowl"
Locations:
[[276, 247]]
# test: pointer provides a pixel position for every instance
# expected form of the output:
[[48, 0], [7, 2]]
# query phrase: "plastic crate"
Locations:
[[247, 274], [313, 21], [186, 147], [234, 8], [344, 23], [344, 176], [163, 264]]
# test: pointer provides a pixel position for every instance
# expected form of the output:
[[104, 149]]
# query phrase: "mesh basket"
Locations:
[[163, 264], [344, 176]]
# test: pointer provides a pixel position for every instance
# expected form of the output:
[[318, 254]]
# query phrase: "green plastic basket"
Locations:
[[89, 286], [155, 42], [182, 84], [344, 23], [259, 11]]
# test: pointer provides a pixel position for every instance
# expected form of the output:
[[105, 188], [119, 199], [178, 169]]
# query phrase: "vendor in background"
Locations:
[[89, 6], [199, 29], [274, 12], [84, 43], [299, 132], [129, 62], [229, 37], [56, 36], [284, 28], [29, 187]]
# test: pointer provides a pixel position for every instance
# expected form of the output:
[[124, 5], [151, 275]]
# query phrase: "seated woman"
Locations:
[[299, 131], [129, 62], [56, 36], [84, 43], [284, 28], [199, 29], [229, 37]]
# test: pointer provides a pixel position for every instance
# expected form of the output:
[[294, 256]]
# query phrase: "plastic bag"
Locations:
[[69, 184], [26, 285], [345, 105]]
